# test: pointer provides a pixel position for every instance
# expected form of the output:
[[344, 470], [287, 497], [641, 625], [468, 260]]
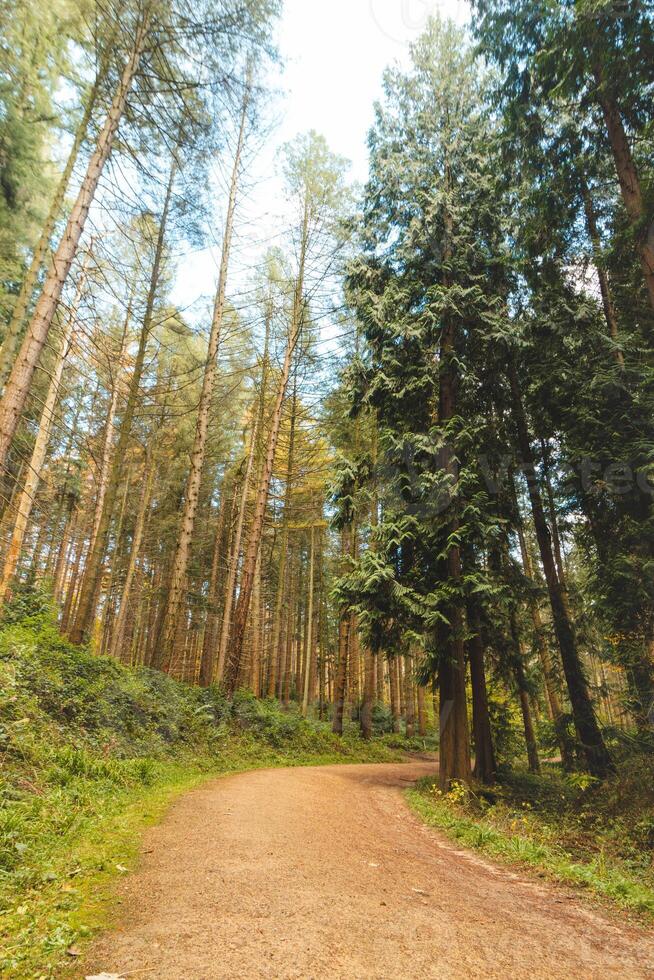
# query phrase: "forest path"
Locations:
[[324, 872]]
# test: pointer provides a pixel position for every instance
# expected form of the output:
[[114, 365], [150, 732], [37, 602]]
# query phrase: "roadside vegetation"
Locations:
[[92, 752], [595, 836]]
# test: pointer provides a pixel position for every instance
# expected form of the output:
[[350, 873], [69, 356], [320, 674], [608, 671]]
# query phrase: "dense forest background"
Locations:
[[399, 471]]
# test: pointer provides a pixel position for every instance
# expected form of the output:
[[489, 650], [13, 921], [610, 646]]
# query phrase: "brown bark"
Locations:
[[35, 466], [368, 700], [409, 697], [395, 696], [590, 737], [12, 335], [175, 590], [344, 626], [308, 660], [485, 767], [235, 558], [210, 639], [89, 587], [256, 530], [628, 178], [422, 711], [139, 527], [16, 391], [283, 555], [552, 687]]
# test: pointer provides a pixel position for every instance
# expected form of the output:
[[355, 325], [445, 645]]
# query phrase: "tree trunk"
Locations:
[[37, 460], [308, 660], [208, 658], [454, 743], [368, 701], [552, 688], [235, 558], [592, 744], [408, 697], [255, 666], [245, 592], [95, 558], [174, 596], [625, 167], [422, 712], [139, 527], [395, 696], [344, 625], [12, 335], [16, 391], [485, 767]]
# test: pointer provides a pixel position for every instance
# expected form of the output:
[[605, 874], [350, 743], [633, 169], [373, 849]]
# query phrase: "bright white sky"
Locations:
[[334, 53]]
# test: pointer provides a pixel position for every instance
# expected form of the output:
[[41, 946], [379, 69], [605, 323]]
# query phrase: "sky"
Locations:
[[334, 53]]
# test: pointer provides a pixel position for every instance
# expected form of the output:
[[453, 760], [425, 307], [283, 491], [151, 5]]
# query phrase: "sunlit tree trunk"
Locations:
[[210, 639], [28, 285], [35, 467], [236, 556], [92, 571], [283, 554], [245, 592], [18, 384], [135, 550], [176, 587]]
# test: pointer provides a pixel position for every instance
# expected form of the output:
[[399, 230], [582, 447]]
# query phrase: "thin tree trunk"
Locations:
[[422, 712], [408, 697], [207, 663], [592, 744], [632, 195], [88, 591], [12, 335], [368, 700], [18, 384], [173, 604], [485, 765], [235, 557], [144, 505], [281, 584], [395, 696], [243, 605], [255, 667], [308, 660], [344, 625], [549, 673], [35, 467]]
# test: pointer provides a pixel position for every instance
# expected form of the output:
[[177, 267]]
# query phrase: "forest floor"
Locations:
[[325, 872]]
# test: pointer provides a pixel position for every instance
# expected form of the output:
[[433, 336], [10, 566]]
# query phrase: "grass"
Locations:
[[593, 837], [91, 753]]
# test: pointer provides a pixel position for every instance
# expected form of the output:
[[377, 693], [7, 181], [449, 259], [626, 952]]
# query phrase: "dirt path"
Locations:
[[325, 873]]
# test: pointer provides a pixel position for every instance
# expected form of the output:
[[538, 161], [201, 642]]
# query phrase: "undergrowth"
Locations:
[[90, 753], [598, 837]]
